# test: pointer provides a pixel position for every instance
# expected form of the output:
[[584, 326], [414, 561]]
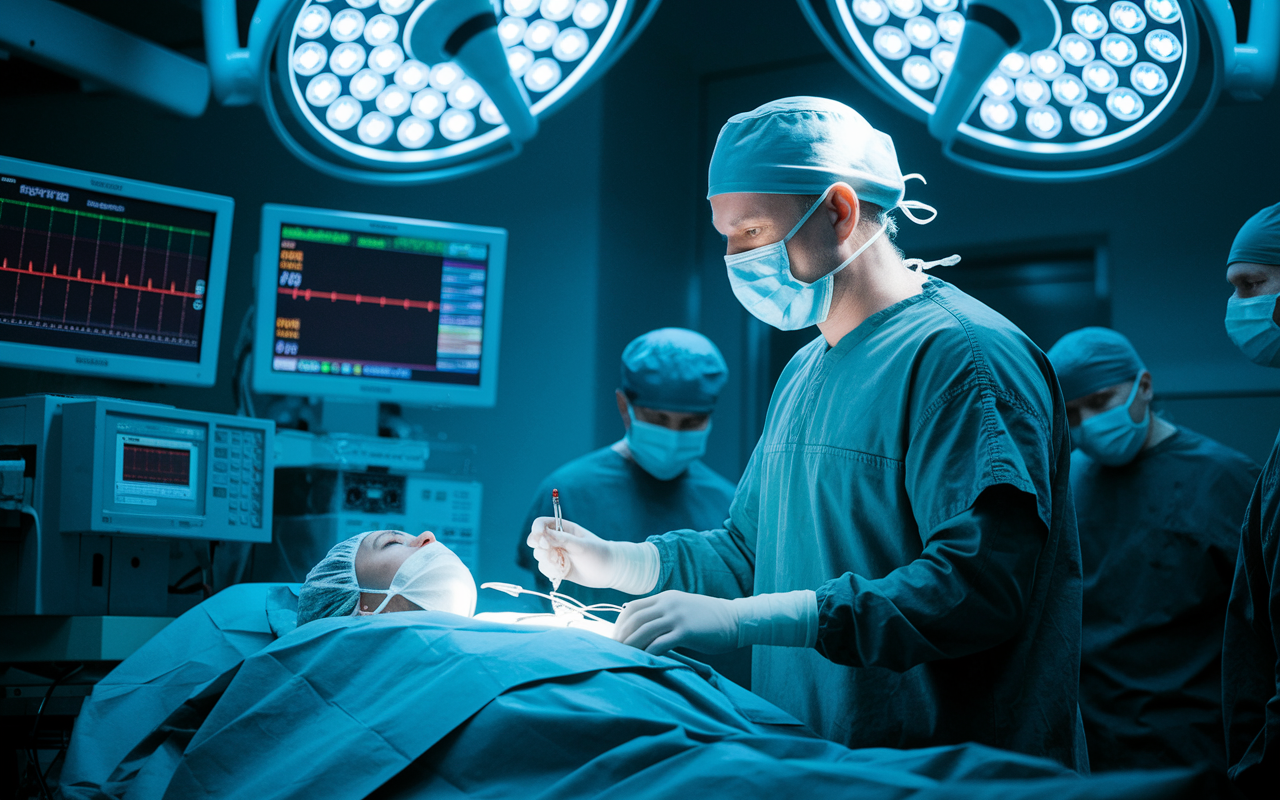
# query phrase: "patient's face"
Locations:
[[379, 558]]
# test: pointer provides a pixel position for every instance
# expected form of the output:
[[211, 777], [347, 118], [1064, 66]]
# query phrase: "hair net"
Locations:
[[1091, 359], [331, 588], [802, 145], [1258, 241], [674, 369]]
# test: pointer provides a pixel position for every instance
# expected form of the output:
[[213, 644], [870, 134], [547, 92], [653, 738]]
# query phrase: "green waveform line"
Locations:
[[91, 215]]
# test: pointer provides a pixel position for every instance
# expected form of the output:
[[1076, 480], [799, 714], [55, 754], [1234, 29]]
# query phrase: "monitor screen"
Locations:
[[354, 305], [108, 276]]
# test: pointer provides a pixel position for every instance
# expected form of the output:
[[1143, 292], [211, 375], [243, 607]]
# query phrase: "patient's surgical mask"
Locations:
[[1251, 325], [434, 579], [662, 452]]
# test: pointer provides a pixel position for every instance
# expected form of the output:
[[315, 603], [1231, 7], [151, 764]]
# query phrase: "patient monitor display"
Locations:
[[353, 305], [107, 276]]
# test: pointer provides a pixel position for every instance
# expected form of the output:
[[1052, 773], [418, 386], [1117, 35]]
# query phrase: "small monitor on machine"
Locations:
[[109, 276], [356, 306]]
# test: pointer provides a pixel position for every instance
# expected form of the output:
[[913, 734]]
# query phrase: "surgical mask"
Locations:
[[434, 579], [1112, 437], [662, 452], [762, 281], [1251, 325]]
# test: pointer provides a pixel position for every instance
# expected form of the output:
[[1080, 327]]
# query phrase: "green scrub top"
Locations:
[[942, 619]]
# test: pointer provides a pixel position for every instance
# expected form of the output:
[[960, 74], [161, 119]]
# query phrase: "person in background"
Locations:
[[1251, 646], [1158, 508]]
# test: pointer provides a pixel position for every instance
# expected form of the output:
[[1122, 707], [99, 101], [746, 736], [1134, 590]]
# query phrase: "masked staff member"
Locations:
[[902, 547]]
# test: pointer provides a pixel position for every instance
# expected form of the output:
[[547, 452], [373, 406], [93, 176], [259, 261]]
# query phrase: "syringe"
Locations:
[[555, 505]]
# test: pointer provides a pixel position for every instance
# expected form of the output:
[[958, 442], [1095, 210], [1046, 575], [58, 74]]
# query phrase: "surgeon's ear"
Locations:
[[622, 409], [842, 205]]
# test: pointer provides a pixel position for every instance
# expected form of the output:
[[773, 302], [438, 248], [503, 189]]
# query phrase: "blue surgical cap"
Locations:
[[674, 369], [1258, 242], [1091, 359], [802, 145]]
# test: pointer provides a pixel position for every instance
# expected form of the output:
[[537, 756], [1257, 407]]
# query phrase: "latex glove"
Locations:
[[576, 554], [679, 619]]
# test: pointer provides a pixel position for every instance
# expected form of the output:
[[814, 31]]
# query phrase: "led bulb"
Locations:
[[891, 43], [382, 29], [366, 84], [1069, 90], [393, 101], [998, 87], [312, 22], [542, 75], [1044, 122], [921, 32], [1047, 64], [347, 25], [414, 133], [466, 95], [1075, 49], [939, 6], [347, 59], [1119, 49], [519, 59], [1089, 22], [998, 115], [386, 58], [1127, 17], [1125, 104], [359, 3], [489, 112], [943, 56], [427, 104], [556, 10], [310, 58], [1015, 65], [540, 35], [905, 9], [511, 30], [375, 128], [920, 73], [590, 14], [951, 25], [1148, 78], [1166, 11], [1088, 119], [395, 7], [343, 113], [520, 8], [456, 124], [1163, 46], [445, 76], [570, 45], [1032, 91], [1099, 77], [323, 89], [871, 12], [413, 75]]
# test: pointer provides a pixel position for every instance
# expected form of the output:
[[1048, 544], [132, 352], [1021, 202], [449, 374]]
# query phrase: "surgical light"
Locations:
[[428, 104], [556, 10], [393, 101], [413, 75], [386, 58], [541, 35], [347, 25], [511, 30], [310, 58], [542, 75], [347, 59], [489, 112], [1053, 89], [920, 73], [414, 133], [394, 7], [313, 22], [381, 30], [570, 45], [457, 124], [343, 113], [519, 59], [466, 95], [366, 84], [323, 89], [375, 128]]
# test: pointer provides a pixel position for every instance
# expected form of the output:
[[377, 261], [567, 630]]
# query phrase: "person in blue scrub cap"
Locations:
[[901, 551], [1157, 507], [653, 479], [1251, 646]]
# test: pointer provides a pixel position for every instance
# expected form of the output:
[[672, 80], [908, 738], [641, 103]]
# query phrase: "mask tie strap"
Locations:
[[920, 264], [908, 206]]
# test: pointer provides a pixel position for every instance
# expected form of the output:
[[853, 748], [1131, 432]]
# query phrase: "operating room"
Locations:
[[941, 584]]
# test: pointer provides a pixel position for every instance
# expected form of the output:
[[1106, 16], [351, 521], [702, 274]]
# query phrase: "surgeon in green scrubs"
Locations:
[[902, 547]]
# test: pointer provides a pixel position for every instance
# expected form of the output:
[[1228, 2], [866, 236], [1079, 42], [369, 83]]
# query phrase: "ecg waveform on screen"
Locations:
[[74, 271], [359, 299]]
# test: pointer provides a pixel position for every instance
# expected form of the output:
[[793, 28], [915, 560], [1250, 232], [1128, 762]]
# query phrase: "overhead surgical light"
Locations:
[[1054, 89]]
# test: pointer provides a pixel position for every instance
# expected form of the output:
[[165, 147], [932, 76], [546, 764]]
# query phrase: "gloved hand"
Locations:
[[678, 619], [576, 554]]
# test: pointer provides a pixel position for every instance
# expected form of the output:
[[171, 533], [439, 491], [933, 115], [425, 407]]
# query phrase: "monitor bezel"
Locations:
[[346, 387], [144, 369]]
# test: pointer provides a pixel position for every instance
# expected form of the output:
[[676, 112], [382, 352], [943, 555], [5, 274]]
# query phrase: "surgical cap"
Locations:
[[331, 588], [802, 145], [1258, 242], [1091, 359], [674, 369]]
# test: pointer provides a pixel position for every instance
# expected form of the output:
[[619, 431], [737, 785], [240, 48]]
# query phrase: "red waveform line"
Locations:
[[333, 297], [79, 278]]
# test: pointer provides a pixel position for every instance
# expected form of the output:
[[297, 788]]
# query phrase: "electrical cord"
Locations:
[[35, 731]]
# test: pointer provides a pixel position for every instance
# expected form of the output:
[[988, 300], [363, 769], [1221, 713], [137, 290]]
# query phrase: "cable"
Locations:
[[35, 731], [560, 603]]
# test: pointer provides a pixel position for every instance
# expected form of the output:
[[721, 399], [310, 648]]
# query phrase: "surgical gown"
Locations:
[[941, 619], [1150, 669], [1251, 647]]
